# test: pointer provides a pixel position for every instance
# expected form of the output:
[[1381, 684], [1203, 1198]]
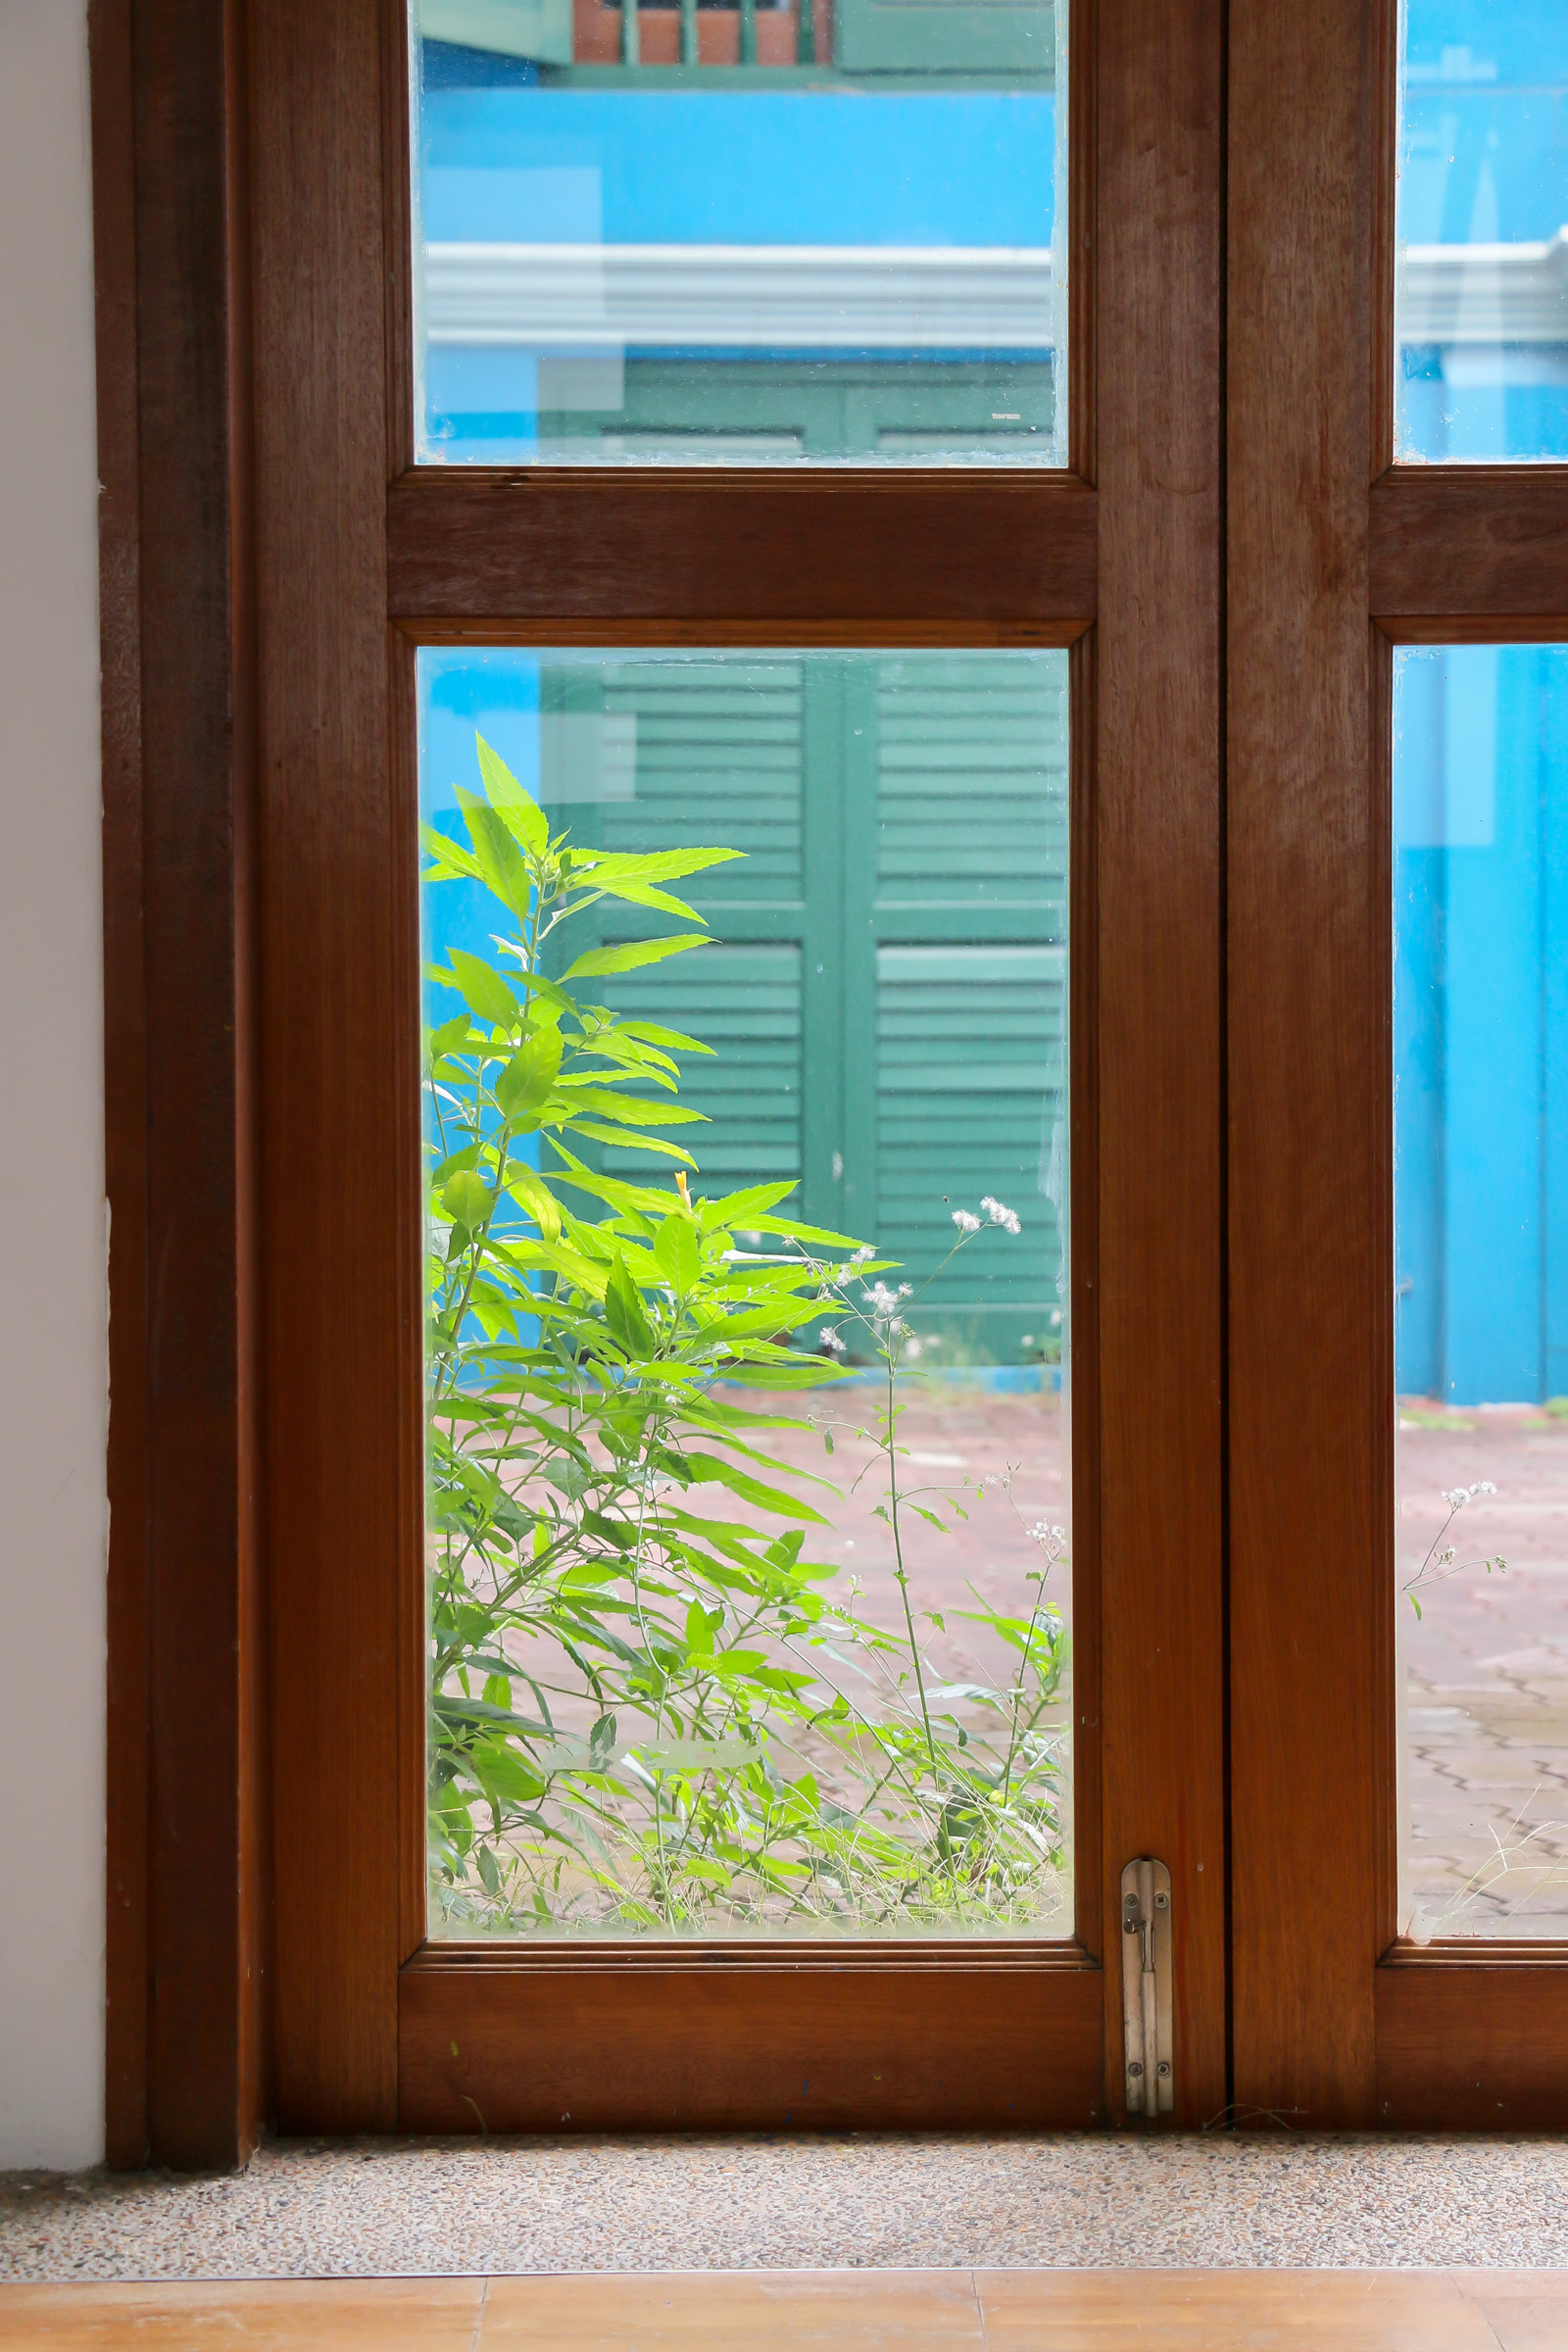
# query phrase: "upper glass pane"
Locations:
[[711, 234], [1481, 1045], [748, 1516], [1481, 305]]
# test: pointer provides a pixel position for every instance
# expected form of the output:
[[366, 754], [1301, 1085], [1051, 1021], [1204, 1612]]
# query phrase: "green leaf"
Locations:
[[601, 1743], [467, 1200], [642, 894], [523, 818], [453, 863], [676, 1253], [451, 1033], [484, 990], [625, 1140], [710, 1469], [650, 865], [525, 1084], [502, 866], [698, 1633], [633, 955], [607, 1103], [533, 1195], [625, 1314]]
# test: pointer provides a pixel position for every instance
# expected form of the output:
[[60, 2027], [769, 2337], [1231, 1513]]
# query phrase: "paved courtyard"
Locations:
[[1485, 1734]]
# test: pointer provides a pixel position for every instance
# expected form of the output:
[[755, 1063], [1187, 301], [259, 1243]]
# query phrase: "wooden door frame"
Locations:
[[267, 1664], [1335, 556]]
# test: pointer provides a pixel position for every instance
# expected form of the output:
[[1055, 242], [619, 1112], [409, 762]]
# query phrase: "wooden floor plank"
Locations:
[[869, 2311], [264, 2315], [1213, 2311], [1527, 2310], [838, 2311]]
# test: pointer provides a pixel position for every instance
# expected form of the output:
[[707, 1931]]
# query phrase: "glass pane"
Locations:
[[1481, 1043], [715, 234], [1481, 308], [717, 1647]]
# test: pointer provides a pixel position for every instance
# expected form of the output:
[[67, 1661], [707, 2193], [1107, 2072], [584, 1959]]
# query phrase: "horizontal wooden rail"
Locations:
[[1456, 551], [821, 548], [750, 2038]]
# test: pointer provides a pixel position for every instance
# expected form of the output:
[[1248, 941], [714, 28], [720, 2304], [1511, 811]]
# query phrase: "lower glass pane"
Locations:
[[1481, 1043], [747, 1118]]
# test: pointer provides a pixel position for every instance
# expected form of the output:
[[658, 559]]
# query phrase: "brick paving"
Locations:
[[1484, 1670], [1485, 1677]]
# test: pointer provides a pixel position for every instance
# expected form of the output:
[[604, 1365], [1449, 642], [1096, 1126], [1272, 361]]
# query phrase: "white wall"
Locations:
[[52, 1366]]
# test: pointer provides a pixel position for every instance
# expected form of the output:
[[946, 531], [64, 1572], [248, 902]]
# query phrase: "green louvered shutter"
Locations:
[[713, 756], [970, 990], [887, 993]]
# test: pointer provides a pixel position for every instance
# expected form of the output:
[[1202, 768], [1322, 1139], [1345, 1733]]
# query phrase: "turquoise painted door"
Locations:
[[886, 997]]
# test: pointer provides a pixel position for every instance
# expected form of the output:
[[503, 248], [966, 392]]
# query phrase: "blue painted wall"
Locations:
[[1481, 1022]]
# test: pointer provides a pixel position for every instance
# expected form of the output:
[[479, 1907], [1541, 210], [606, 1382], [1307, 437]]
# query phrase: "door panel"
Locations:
[[1393, 1072], [940, 558]]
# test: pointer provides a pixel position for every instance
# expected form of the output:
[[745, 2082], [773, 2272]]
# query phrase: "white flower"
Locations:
[[830, 1338], [865, 1255], [1000, 1215], [1046, 1535], [1485, 1488], [880, 1299], [914, 1349], [965, 1220]]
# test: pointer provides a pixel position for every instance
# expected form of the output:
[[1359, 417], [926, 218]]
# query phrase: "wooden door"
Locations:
[[1351, 546], [365, 555]]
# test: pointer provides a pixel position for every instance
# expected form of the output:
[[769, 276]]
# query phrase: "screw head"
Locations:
[[1136, 2069], [1164, 2070], [1162, 1901]]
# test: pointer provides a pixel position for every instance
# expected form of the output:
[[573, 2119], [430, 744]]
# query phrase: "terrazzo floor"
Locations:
[[387, 2209]]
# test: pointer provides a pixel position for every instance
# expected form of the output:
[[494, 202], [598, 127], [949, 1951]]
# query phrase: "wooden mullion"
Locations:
[[1309, 1288], [341, 1187], [1156, 1009]]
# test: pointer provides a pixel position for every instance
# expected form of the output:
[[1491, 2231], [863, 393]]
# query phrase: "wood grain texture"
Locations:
[[819, 547], [340, 1186], [1159, 978], [1471, 2041], [757, 2039], [125, 1142], [251, 2314], [185, 2051], [1474, 543], [851, 2310], [1307, 1067], [1083, 1368]]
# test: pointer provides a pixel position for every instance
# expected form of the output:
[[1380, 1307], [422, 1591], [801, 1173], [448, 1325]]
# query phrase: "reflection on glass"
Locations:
[[1480, 308], [717, 1649], [720, 234], [1481, 1043]]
